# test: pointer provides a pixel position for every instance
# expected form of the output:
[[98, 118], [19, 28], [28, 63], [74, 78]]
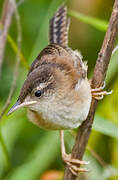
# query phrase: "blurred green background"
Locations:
[[30, 153]]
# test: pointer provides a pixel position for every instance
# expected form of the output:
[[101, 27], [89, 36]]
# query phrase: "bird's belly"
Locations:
[[63, 120], [37, 119]]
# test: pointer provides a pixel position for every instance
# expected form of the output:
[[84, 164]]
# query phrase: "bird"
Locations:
[[57, 92]]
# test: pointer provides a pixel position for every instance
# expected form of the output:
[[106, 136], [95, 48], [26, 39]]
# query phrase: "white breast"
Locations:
[[63, 114]]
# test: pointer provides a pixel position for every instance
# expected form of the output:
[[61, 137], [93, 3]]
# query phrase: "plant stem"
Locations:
[[98, 79]]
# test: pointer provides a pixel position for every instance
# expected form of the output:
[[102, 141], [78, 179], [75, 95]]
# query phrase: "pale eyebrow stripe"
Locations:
[[47, 85]]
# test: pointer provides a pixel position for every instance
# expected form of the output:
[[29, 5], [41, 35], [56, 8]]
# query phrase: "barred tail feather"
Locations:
[[59, 26]]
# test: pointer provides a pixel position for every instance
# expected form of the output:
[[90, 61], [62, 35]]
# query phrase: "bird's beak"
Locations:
[[18, 105]]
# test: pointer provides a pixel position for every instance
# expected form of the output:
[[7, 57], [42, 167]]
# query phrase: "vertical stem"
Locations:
[[98, 79], [7, 13]]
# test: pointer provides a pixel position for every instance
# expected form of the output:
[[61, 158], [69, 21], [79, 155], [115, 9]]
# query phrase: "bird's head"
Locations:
[[46, 84]]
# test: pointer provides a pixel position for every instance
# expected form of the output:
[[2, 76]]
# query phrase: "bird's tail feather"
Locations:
[[59, 26]]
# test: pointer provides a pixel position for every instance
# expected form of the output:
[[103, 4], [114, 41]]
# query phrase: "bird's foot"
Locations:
[[98, 93], [74, 164]]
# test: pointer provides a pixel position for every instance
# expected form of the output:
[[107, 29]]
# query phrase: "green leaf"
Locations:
[[16, 50], [10, 130], [105, 126], [93, 164], [42, 36], [96, 23], [40, 159], [109, 172], [113, 67]]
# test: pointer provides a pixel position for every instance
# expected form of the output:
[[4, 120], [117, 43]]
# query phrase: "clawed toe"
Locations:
[[74, 164], [75, 170], [98, 93], [68, 158]]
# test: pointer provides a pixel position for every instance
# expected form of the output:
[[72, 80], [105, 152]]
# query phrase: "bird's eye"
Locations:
[[38, 93]]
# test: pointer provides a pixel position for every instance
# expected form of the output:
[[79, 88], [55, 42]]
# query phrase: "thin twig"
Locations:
[[5, 21], [19, 2], [15, 74], [97, 157], [98, 79], [101, 161], [93, 153]]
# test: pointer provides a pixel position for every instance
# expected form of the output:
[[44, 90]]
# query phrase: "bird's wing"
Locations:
[[53, 50]]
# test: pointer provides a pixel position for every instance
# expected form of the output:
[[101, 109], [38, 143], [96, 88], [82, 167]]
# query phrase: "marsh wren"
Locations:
[[57, 91]]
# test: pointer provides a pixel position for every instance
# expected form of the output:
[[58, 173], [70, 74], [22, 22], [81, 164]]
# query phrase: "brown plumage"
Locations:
[[59, 26], [56, 91], [54, 57]]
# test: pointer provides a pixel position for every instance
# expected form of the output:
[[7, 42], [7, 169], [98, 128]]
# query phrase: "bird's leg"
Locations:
[[73, 164], [98, 93]]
